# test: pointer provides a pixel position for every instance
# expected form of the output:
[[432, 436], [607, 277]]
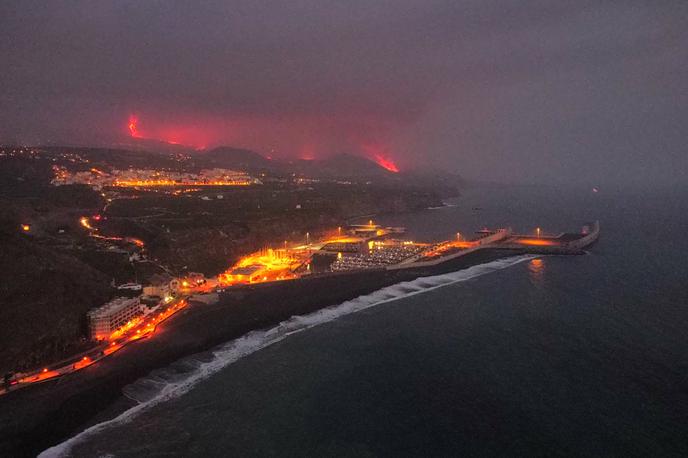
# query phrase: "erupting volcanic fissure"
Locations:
[[173, 135], [133, 130], [380, 154], [386, 163], [198, 135]]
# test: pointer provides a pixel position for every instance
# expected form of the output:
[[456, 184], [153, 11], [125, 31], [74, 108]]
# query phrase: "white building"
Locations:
[[113, 315], [159, 286]]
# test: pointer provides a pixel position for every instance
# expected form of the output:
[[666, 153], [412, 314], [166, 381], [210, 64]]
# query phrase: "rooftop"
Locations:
[[113, 306]]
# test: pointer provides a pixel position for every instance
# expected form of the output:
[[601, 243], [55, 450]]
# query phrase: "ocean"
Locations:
[[530, 356]]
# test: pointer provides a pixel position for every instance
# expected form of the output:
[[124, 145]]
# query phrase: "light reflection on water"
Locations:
[[536, 271], [591, 340]]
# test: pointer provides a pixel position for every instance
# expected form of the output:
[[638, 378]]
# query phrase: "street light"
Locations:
[[538, 231], [458, 236]]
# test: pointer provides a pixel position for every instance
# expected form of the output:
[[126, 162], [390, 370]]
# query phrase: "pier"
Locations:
[[564, 243]]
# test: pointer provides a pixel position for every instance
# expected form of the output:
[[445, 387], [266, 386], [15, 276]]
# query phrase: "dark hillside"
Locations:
[[42, 306]]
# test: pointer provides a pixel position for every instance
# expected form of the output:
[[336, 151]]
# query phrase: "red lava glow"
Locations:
[[193, 134], [133, 129], [386, 163], [307, 153], [200, 131], [380, 155]]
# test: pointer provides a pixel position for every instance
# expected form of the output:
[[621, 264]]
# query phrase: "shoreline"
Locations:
[[36, 418]]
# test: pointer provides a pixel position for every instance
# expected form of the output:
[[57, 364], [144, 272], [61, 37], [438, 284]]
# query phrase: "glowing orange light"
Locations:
[[536, 268], [273, 264], [133, 129], [25, 227], [85, 361], [37, 377], [537, 242], [139, 243], [170, 182], [85, 223]]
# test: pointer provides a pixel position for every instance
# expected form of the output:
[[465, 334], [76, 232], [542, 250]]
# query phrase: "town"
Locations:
[[110, 222], [145, 178], [125, 320], [371, 228], [171, 230]]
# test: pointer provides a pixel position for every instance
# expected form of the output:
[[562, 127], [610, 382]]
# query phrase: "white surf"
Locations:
[[177, 379]]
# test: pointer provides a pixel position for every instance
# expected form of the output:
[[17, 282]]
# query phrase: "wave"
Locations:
[[171, 382], [444, 205]]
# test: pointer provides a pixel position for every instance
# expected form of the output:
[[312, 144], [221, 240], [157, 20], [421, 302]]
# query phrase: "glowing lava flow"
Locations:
[[133, 129], [162, 135], [386, 163]]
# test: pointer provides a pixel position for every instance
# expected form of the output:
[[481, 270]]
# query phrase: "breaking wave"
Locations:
[[444, 205], [173, 381]]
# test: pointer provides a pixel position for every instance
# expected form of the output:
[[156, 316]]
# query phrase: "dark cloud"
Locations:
[[520, 91]]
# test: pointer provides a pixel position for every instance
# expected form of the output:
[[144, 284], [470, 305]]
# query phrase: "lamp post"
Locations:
[[537, 230]]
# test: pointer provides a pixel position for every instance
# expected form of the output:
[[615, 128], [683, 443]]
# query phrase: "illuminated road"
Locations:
[[267, 265], [137, 329]]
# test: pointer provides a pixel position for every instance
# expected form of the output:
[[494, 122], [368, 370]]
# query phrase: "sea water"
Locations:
[[553, 355]]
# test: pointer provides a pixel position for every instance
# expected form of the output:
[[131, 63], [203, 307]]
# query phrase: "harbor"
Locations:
[[358, 249], [301, 280]]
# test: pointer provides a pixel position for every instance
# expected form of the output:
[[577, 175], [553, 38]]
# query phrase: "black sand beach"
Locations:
[[33, 419]]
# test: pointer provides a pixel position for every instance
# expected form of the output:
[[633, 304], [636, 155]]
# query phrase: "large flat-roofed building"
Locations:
[[113, 315]]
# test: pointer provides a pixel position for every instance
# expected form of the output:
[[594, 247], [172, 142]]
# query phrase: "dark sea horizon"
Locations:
[[535, 356]]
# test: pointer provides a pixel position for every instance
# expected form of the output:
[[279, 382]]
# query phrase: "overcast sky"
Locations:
[[519, 91]]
